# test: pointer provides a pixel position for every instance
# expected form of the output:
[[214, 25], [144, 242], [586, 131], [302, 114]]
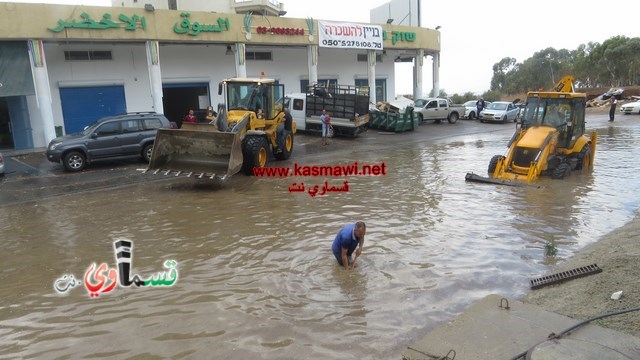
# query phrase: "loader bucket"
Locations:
[[198, 150]]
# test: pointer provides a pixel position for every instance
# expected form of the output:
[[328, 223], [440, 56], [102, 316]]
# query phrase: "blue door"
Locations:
[[82, 106]]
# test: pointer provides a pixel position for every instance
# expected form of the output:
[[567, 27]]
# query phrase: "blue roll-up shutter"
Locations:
[[82, 106]]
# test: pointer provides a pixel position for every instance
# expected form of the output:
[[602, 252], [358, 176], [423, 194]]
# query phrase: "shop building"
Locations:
[[62, 67]]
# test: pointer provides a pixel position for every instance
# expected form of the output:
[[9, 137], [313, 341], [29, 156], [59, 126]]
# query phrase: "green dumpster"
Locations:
[[393, 121]]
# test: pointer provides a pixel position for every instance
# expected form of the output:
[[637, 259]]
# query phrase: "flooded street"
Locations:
[[256, 276]]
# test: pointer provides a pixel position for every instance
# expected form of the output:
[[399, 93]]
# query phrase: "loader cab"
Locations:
[[561, 111], [255, 95]]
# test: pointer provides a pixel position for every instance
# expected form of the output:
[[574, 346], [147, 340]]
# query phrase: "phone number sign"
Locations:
[[349, 36]]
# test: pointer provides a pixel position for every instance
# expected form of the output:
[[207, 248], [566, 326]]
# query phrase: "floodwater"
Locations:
[[256, 277]]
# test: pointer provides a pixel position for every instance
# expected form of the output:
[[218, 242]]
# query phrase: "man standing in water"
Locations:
[[612, 108], [348, 239]]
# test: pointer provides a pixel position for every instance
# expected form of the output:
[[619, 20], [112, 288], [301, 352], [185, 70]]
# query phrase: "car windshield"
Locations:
[[91, 128], [470, 103], [421, 102], [497, 106]]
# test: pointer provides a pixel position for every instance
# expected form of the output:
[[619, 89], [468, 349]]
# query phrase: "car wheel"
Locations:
[[420, 117], [146, 153], [74, 161], [472, 115], [453, 118]]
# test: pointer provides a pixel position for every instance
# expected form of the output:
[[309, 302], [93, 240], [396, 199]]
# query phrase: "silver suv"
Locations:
[[114, 137]]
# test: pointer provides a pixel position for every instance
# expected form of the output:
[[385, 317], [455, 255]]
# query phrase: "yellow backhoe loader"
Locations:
[[550, 141], [249, 124]]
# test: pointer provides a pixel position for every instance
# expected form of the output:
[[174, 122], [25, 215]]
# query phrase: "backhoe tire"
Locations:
[[74, 161], [584, 158], [561, 171], [453, 118], [493, 163], [255, 153], [287, 146]]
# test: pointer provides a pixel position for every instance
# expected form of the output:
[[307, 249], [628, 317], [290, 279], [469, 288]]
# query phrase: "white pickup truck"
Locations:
[[348, 109], [438, 109]]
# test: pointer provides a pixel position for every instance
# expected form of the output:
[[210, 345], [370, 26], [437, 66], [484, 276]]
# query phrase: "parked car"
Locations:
[[631, 108], [1, 165], [115, 137], [438, 109], [500, 111], [471, 110]]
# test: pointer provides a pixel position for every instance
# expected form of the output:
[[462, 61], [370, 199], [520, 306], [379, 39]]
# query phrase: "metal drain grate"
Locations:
[[564, 276]]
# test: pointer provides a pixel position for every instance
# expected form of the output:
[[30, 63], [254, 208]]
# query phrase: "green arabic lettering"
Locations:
[[184, 25], [195, 29], [106, 21], [61, 26], [223, 24], [173, 273], [89, 23]]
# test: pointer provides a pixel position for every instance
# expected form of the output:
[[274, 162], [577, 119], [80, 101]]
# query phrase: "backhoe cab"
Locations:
[[550, 141], [250, 125]]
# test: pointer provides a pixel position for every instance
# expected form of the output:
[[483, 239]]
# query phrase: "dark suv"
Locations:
[[114, 137]]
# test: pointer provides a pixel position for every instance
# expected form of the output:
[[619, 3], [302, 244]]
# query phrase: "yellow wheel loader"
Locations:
[[550, 141], [250, 125]]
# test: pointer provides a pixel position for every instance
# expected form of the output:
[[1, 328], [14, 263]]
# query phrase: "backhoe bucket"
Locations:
[[471, 177], [197, 150]]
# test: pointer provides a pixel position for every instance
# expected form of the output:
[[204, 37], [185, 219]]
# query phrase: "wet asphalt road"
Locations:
[[30, 176]]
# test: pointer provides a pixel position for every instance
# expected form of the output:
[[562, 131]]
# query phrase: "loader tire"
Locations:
[[584, 158], [561, 171], [493, 163], [255, 153], [286, 146]]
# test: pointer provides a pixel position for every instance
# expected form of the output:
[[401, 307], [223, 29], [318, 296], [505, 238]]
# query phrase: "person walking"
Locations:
[[612, 110], [349, 238]]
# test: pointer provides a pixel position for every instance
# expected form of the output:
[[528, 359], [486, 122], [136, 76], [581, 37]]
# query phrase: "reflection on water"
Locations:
[[256, 271]]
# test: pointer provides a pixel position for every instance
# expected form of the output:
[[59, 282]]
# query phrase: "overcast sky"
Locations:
[[477, 34]]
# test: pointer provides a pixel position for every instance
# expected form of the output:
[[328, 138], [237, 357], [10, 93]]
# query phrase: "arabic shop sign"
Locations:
[[349, 36], [399, 35], [86, 22], [279, 31], [186, 27], [102, 279]]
